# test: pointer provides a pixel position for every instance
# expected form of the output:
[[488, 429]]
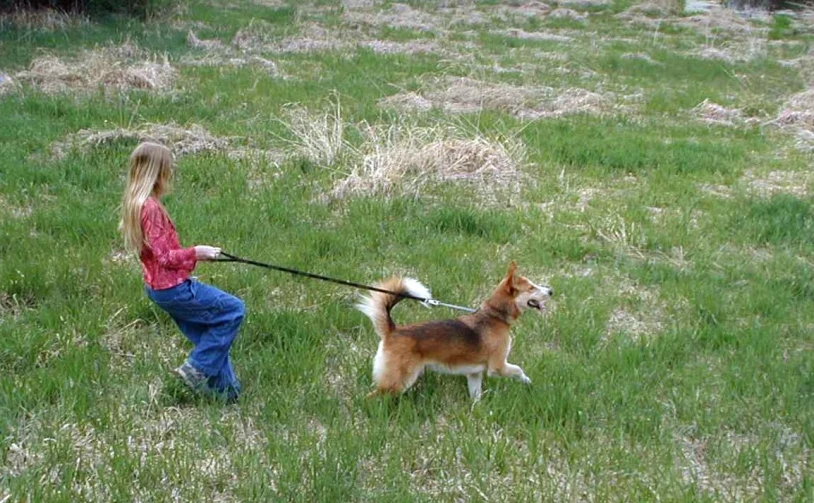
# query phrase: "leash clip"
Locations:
[[429, 303]]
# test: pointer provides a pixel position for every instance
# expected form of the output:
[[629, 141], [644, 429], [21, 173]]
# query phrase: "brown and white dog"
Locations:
[[468, 345]]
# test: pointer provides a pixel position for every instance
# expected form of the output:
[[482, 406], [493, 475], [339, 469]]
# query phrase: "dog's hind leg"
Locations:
[[393, 379], [475, 381]]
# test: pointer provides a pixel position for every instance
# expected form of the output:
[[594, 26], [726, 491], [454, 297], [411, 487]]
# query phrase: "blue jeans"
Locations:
[[210, 319]]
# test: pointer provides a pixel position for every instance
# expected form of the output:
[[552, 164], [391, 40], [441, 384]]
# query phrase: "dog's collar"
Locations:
[[498, 314]]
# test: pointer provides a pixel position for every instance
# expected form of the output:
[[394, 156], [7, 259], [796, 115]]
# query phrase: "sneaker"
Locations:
[[192, 377]]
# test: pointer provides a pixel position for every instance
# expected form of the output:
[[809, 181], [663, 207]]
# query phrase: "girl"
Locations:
[[208, 317]]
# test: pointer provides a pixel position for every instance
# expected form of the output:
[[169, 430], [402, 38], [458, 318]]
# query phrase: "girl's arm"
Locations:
[[161, 238]]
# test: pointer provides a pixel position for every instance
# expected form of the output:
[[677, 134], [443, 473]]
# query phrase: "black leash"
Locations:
[[227, 257]]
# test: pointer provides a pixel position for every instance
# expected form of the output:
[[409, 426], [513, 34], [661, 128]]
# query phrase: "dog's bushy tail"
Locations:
[[377, 305]]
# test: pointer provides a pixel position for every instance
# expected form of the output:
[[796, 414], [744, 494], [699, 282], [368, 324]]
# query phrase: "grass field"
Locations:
[[653, 167]]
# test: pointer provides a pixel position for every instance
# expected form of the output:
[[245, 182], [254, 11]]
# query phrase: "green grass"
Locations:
[[675, 364]]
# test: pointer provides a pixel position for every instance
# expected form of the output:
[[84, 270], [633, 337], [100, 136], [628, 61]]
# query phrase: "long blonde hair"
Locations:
[[150, 175]]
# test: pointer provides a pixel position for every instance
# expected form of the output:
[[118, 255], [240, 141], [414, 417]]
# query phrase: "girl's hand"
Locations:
[[203, 252]]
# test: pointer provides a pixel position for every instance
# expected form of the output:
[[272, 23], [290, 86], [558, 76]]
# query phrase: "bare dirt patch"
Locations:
[[122, 67]]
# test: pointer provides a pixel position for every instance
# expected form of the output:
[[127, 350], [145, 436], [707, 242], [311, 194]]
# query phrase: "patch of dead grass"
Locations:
[[466, 95], [719, 21], [405, 102], [765, 185], [698, 464], [713, 113], [640, 316], [391, 47], [16, 211], [399, 15], [182, 140], [407, 158], [798, 111], [260, 36], [796, 183], [569, 14], [41, 20], [216, 53], [640, 56], [122, 67], [534, 35], [522, 10]]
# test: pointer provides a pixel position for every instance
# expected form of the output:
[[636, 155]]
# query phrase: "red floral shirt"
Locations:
[[164, 262]]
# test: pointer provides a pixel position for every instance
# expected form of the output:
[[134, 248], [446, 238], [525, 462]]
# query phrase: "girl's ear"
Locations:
[[509, 279]]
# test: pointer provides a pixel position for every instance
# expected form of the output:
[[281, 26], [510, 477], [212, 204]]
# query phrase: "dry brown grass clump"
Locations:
[[641, 57], [391, 47], [408, 158], [714, 113], [641, 316], [398, 16], [319, 138], [216, 53], [194, 41], [796, 183], [798, 111], [534, 35], [466, 95], [797, 116], [648, 13], [562, 13], [402, 157], [523, 10], [259, 36], [6, 83], [124, 67], [41, 20], [182, 141], [718, 20], [406, 101]]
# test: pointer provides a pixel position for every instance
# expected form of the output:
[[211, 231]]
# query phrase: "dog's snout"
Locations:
[[550, 292]]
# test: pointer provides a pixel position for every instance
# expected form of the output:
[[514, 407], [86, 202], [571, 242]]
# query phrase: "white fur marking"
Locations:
[[456, 370], [378, 362], [415, 288], [475, 382]]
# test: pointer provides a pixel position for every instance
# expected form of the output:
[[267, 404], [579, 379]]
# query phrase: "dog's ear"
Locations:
[[510, 279]]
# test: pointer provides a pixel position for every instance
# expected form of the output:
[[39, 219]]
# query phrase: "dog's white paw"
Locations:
[[525, 379]]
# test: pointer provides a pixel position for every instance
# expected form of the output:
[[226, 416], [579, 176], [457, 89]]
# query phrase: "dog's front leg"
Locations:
[[509, 370], [475, 381]]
